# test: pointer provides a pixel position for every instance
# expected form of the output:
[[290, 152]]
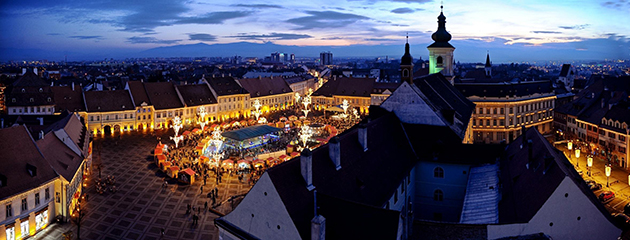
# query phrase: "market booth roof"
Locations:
[[250, 132]]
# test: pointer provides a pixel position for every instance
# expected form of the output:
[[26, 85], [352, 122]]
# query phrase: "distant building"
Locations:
[[31, 95], [272, 92], [325, 58], [441, 51]]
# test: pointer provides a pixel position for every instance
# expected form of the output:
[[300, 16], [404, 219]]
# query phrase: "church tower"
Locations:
[[441, 52], [406, 65], [488, 66]]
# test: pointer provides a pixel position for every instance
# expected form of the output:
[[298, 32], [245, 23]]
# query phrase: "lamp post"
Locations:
[[177, 125], [77, 221], [608, 169], [257, 106], [306, 100], [570, 147], [304, 134], [589, 164], [202, 114], [577, 157]]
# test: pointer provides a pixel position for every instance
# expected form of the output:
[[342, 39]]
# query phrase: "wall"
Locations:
[[453, 186], [410, 108], [261, 212], [18, 215], [567, 214]]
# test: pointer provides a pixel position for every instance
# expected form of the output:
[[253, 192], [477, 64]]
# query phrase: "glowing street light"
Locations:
[[177, 139], [345, 105], [217, 140], [177, 124], [608, 170], [577, 157], [257, 106], [570, 145], [589, 164], [297, 98]]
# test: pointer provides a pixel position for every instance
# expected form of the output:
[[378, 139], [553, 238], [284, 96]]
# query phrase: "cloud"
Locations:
[[136, 40], [53, 34], [381, 39], [87, 37], [325, 19], [550, 32], [212, 18], [576, 27], [257, 5], [204, 37], [271, 36], [403, 10], [331, 38], [413, 1]]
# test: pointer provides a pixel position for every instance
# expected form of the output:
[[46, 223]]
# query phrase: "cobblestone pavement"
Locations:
[[141, 207]]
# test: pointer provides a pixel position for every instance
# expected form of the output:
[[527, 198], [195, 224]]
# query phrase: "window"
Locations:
[[611, 135], [36, 199], [57, 197], [438, 172], [440, 60], [622, 138], [24, 205], [47, 194], [24, 227], [9, 211], [438, 195]]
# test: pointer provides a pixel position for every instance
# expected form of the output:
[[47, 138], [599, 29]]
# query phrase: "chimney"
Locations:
[[363, 136], [530, 153], [222, 74], [318, 228], [335, 78], [229, 74], [334, 152], [306, 167], [41, 121], [73, 86], [259, 77], [41, 134], [603, 103]]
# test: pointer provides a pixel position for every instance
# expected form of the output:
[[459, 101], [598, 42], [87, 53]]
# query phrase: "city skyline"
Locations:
[[513, 31]]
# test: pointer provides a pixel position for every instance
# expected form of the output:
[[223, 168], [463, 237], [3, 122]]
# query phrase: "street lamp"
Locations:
[[607, 174], [202, 114], [257, 106], [589, 164], [577, 157]]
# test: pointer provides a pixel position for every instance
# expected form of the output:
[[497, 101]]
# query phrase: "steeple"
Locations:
[[441, 36], [488, 66], [441, 51], [406, 65]]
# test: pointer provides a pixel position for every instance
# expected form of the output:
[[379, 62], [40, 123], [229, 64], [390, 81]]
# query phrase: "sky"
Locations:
[[515, 30]]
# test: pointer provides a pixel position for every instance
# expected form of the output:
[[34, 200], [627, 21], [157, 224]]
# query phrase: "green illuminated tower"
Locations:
[[441, 52]]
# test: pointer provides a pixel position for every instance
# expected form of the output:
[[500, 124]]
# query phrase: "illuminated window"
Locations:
[[24, 227], [47, 194]]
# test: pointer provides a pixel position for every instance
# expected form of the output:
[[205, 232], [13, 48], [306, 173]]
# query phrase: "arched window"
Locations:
[[405, 72], [603, 120], [439, 60], [616, 124], [438, 172], [438, 195], [610, 122]]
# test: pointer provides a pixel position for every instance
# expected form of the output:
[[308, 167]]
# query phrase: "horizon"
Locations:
[[511, 31]]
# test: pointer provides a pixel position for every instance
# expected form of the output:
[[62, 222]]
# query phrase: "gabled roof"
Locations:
[[138, 93], [346, 86], [196, 94], [30, 79], [65, 161], [19, 151], [529, 180], [68, 99], [260, 87], [446, 99], [224, 86], [163, 95], [75, 130], [503, 89], [369, 178], [108, 101]]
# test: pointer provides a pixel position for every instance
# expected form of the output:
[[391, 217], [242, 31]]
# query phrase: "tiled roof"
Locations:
[[565, 70], [163, 95], [108, 101], [68, 99], [19, 151], [138, 93], [30, 86], [368, 178], [346, 86], [224, 86], [195, 95], [504, 89], [65, 161], [30, 79], [260, 87]]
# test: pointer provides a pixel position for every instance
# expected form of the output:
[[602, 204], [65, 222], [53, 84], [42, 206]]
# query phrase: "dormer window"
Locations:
[[32, 100], [49, 99], [23, 91], [32, 170], [41, 90], [13, 100]]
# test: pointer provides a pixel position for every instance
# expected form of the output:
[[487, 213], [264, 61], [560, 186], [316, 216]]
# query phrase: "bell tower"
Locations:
[[488, 66], [406, 65], [441, 51]]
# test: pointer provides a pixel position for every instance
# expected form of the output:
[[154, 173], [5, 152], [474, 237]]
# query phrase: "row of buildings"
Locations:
[[42, 173]]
